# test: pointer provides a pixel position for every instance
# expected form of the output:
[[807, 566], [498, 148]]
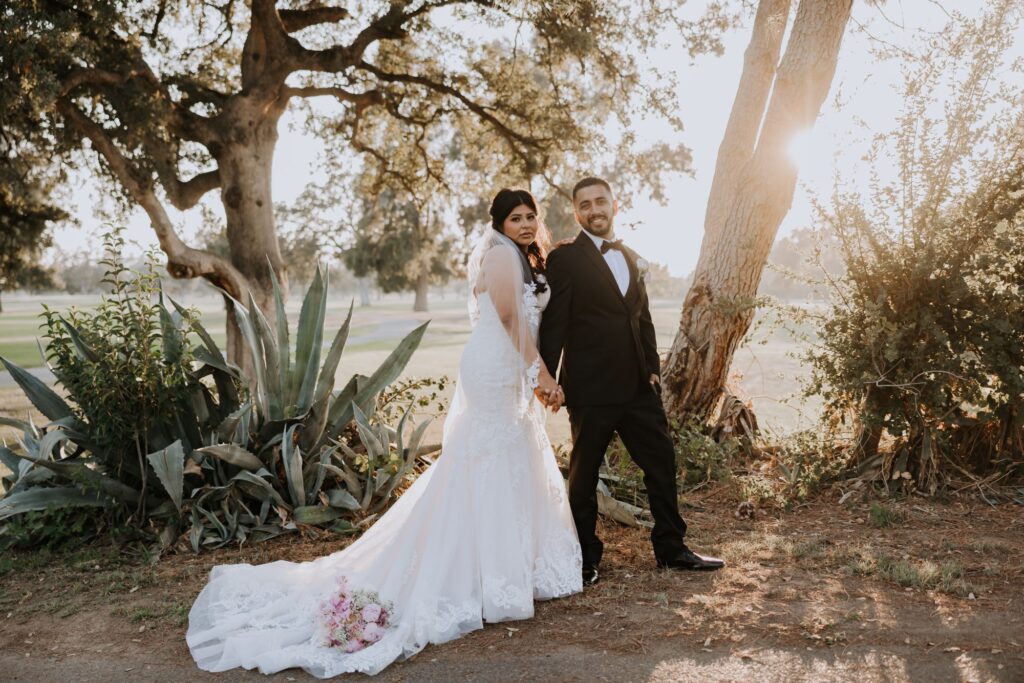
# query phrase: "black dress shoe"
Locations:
[[687, 559], [590, 575]]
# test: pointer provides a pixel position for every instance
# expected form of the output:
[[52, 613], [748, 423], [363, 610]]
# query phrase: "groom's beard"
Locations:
[[602, 229]]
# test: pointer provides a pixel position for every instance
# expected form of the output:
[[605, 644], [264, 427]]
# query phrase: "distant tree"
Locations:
[[79, 273], [25, 220], [802, 265], [401, 245]]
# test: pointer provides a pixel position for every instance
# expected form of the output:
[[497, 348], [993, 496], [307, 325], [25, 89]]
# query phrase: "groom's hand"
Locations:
[[656, 382]]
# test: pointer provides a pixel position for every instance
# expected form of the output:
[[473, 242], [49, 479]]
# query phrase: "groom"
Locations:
[[598, 322]]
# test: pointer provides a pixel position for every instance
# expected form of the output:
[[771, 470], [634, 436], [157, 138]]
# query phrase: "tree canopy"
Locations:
[[182, 98]]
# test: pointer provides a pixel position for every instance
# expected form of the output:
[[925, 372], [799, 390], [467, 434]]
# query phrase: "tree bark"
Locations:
[[751, 193], [422, 288], [246, 164]]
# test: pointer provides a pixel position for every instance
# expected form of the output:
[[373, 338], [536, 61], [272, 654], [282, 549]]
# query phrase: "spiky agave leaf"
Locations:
[[169, 465]]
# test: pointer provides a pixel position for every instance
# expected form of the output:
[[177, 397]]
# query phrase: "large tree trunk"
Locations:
[[422, 288], [245, 166], [751, 193]]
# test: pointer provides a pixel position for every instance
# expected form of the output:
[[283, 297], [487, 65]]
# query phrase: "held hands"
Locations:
[[548, 392]]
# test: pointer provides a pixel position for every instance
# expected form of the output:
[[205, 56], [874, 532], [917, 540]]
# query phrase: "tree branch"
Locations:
[[79, 77], [388, 26], [511, 136], [340, 57], [363, 99], [266, 48], [182, 261], [185, 195], [759, 64], [297, 19]]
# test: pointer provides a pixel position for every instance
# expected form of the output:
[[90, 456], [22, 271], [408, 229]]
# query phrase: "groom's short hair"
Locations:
[[587, 182]]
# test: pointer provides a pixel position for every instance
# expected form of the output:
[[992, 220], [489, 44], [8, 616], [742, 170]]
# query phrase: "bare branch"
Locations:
[[388, 26], [79, 77], [182, 261], [160, 13], [186, 123], [266, 37], [363, 99], [483, 111], [185, 195], [340, 57], [297, 19]]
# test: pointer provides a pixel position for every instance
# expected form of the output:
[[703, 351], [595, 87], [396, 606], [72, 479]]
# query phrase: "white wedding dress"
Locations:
[[479, 536]]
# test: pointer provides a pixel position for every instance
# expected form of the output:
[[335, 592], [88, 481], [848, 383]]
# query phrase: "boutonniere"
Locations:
[[642, 268]]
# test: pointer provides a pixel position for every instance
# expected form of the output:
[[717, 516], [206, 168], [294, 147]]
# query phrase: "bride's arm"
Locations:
[[501, 277]]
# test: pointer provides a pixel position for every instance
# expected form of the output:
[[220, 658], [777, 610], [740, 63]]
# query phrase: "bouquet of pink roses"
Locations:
[[354, 619]]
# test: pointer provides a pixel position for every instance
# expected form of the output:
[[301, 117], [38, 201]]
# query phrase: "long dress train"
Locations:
[[479, 536]]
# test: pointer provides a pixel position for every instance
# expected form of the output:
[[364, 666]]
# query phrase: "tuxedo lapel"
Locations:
[[597, 260], [633, 290]]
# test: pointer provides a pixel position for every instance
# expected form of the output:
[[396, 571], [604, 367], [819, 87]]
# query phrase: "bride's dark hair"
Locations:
[[501, 206]]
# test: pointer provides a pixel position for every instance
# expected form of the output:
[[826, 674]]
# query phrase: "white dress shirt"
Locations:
[[616, 261]]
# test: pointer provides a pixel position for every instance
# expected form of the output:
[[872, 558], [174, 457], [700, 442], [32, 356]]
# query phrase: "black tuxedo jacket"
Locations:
[[605, 340]]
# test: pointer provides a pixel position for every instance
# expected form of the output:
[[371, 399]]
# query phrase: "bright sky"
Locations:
[[862, 93]]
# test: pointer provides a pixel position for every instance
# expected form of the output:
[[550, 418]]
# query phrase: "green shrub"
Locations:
[[923, 340], [161, 430]]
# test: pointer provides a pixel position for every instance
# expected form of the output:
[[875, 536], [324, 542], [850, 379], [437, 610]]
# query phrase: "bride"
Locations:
[[479, 536]]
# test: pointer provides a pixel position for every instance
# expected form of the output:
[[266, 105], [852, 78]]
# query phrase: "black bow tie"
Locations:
[[611, 244]]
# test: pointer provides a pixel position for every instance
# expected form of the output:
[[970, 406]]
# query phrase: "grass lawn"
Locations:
[[765, 369]]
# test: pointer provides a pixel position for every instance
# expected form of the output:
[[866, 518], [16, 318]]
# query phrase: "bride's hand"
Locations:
[[548, 390]]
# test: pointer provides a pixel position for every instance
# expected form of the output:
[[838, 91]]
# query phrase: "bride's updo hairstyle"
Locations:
[[504, 203]]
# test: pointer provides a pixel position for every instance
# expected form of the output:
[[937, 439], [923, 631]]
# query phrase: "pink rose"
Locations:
[[371, 612], [353, 645], [372, 633]]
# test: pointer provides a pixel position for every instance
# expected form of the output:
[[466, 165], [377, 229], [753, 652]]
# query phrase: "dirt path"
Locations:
[[813, 595]]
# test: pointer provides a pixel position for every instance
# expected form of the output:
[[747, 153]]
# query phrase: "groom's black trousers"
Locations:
[[643, 428]]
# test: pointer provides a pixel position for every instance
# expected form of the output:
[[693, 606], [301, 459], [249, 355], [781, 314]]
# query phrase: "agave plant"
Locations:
[[297, 448], [233, 463]]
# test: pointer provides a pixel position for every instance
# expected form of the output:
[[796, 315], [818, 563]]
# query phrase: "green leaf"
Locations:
[[325, 383], [256, 353], [169, 464], [387, 373], [42, 397], [291, 458], [260, 484], [9, 460], [271, 361], [308, 342], [234, 455], [281, 327], [211, 347], [373, 445], [315, 514], [87, 477], [170, 332], [341, 498], [17, 424], [47, 498], [82, 350], [314, 424]]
